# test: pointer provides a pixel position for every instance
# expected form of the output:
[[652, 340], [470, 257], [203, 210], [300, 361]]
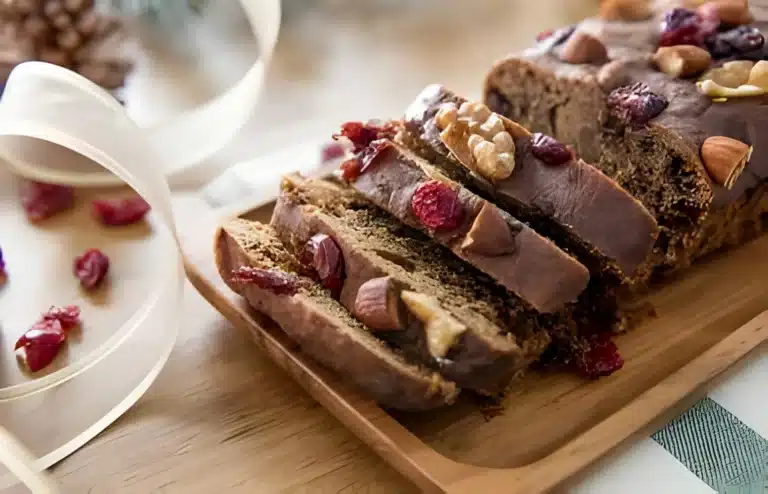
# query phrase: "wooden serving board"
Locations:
[[553, 424]]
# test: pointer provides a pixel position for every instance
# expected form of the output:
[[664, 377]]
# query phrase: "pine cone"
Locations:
[[69, 33]]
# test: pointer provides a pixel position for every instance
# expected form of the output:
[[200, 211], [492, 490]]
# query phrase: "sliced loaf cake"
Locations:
[[535, 178], [254, 263], [493, 335], [508, 250]]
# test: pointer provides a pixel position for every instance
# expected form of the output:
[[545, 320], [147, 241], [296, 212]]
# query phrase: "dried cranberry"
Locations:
[[437, 205], [41, 201], [738, 41], [278, 282], [685, 27], [40, 344], [68, 317], [91, 268], [497, 102], [550, 150], [635, 104], [118, 212], [324, 255], [331, 151], [362, 134], [351, 169], [599, 357]]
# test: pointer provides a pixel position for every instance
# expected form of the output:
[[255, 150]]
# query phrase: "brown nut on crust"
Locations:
[[490, 234], [582, 47], [733, 12], [378, 304], [682, 60], [626, 10], [725, 159], [442, 330]]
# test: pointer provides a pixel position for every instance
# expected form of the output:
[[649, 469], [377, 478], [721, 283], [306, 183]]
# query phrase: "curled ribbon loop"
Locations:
[[48, 107]]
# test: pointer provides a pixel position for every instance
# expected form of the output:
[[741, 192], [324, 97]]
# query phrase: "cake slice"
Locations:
[[511, 252], [491, 335], [535, 178], [674, 114], [253, 262]]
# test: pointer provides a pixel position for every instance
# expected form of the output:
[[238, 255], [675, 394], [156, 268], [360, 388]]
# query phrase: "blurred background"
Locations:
[[335, 60]]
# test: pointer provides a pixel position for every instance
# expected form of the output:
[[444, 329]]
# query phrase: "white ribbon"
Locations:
[[45, 105]]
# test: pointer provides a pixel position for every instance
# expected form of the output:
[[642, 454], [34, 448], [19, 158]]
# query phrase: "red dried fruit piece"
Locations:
[[323, 254], [118, 212], [685, 27], [635, 104], [550, 150], [331, 151], [68, 317], [362, 134], [91, 268], [437, 205], [41, 201], [351, 169], [40, 344], [278, 282], [600, 357]]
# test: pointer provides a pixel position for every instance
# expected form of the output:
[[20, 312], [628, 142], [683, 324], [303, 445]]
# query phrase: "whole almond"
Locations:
[[733, 12], [582, 47], [626, 10], [378, 304], [490, 234], [725, 159], [682, 60]]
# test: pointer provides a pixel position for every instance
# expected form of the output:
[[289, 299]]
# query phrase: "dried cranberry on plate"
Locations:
[[91, 268], [40, 344], [118, 212], [41, 201]]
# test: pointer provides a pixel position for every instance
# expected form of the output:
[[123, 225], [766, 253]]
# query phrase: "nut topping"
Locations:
[[758, 76], [733, 12], [625, 10], [441, 328], [725, 159], [490, 234], [479, 139], [377, 304], [715, 90], [582, 47], [682, 60]]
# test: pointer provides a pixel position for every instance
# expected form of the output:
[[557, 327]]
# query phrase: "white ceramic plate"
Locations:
[[54, 422]]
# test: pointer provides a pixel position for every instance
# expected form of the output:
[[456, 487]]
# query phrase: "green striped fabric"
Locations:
[[720, 449]]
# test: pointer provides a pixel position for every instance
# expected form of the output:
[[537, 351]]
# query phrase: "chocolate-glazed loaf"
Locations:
[[501, 336], [640, 116], [511, 252], [570, 201]]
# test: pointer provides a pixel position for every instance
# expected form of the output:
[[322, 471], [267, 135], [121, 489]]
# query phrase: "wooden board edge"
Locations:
[[669, 397], [395, 444]]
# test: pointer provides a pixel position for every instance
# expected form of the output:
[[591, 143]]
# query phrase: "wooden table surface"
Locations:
[[221, 417]]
